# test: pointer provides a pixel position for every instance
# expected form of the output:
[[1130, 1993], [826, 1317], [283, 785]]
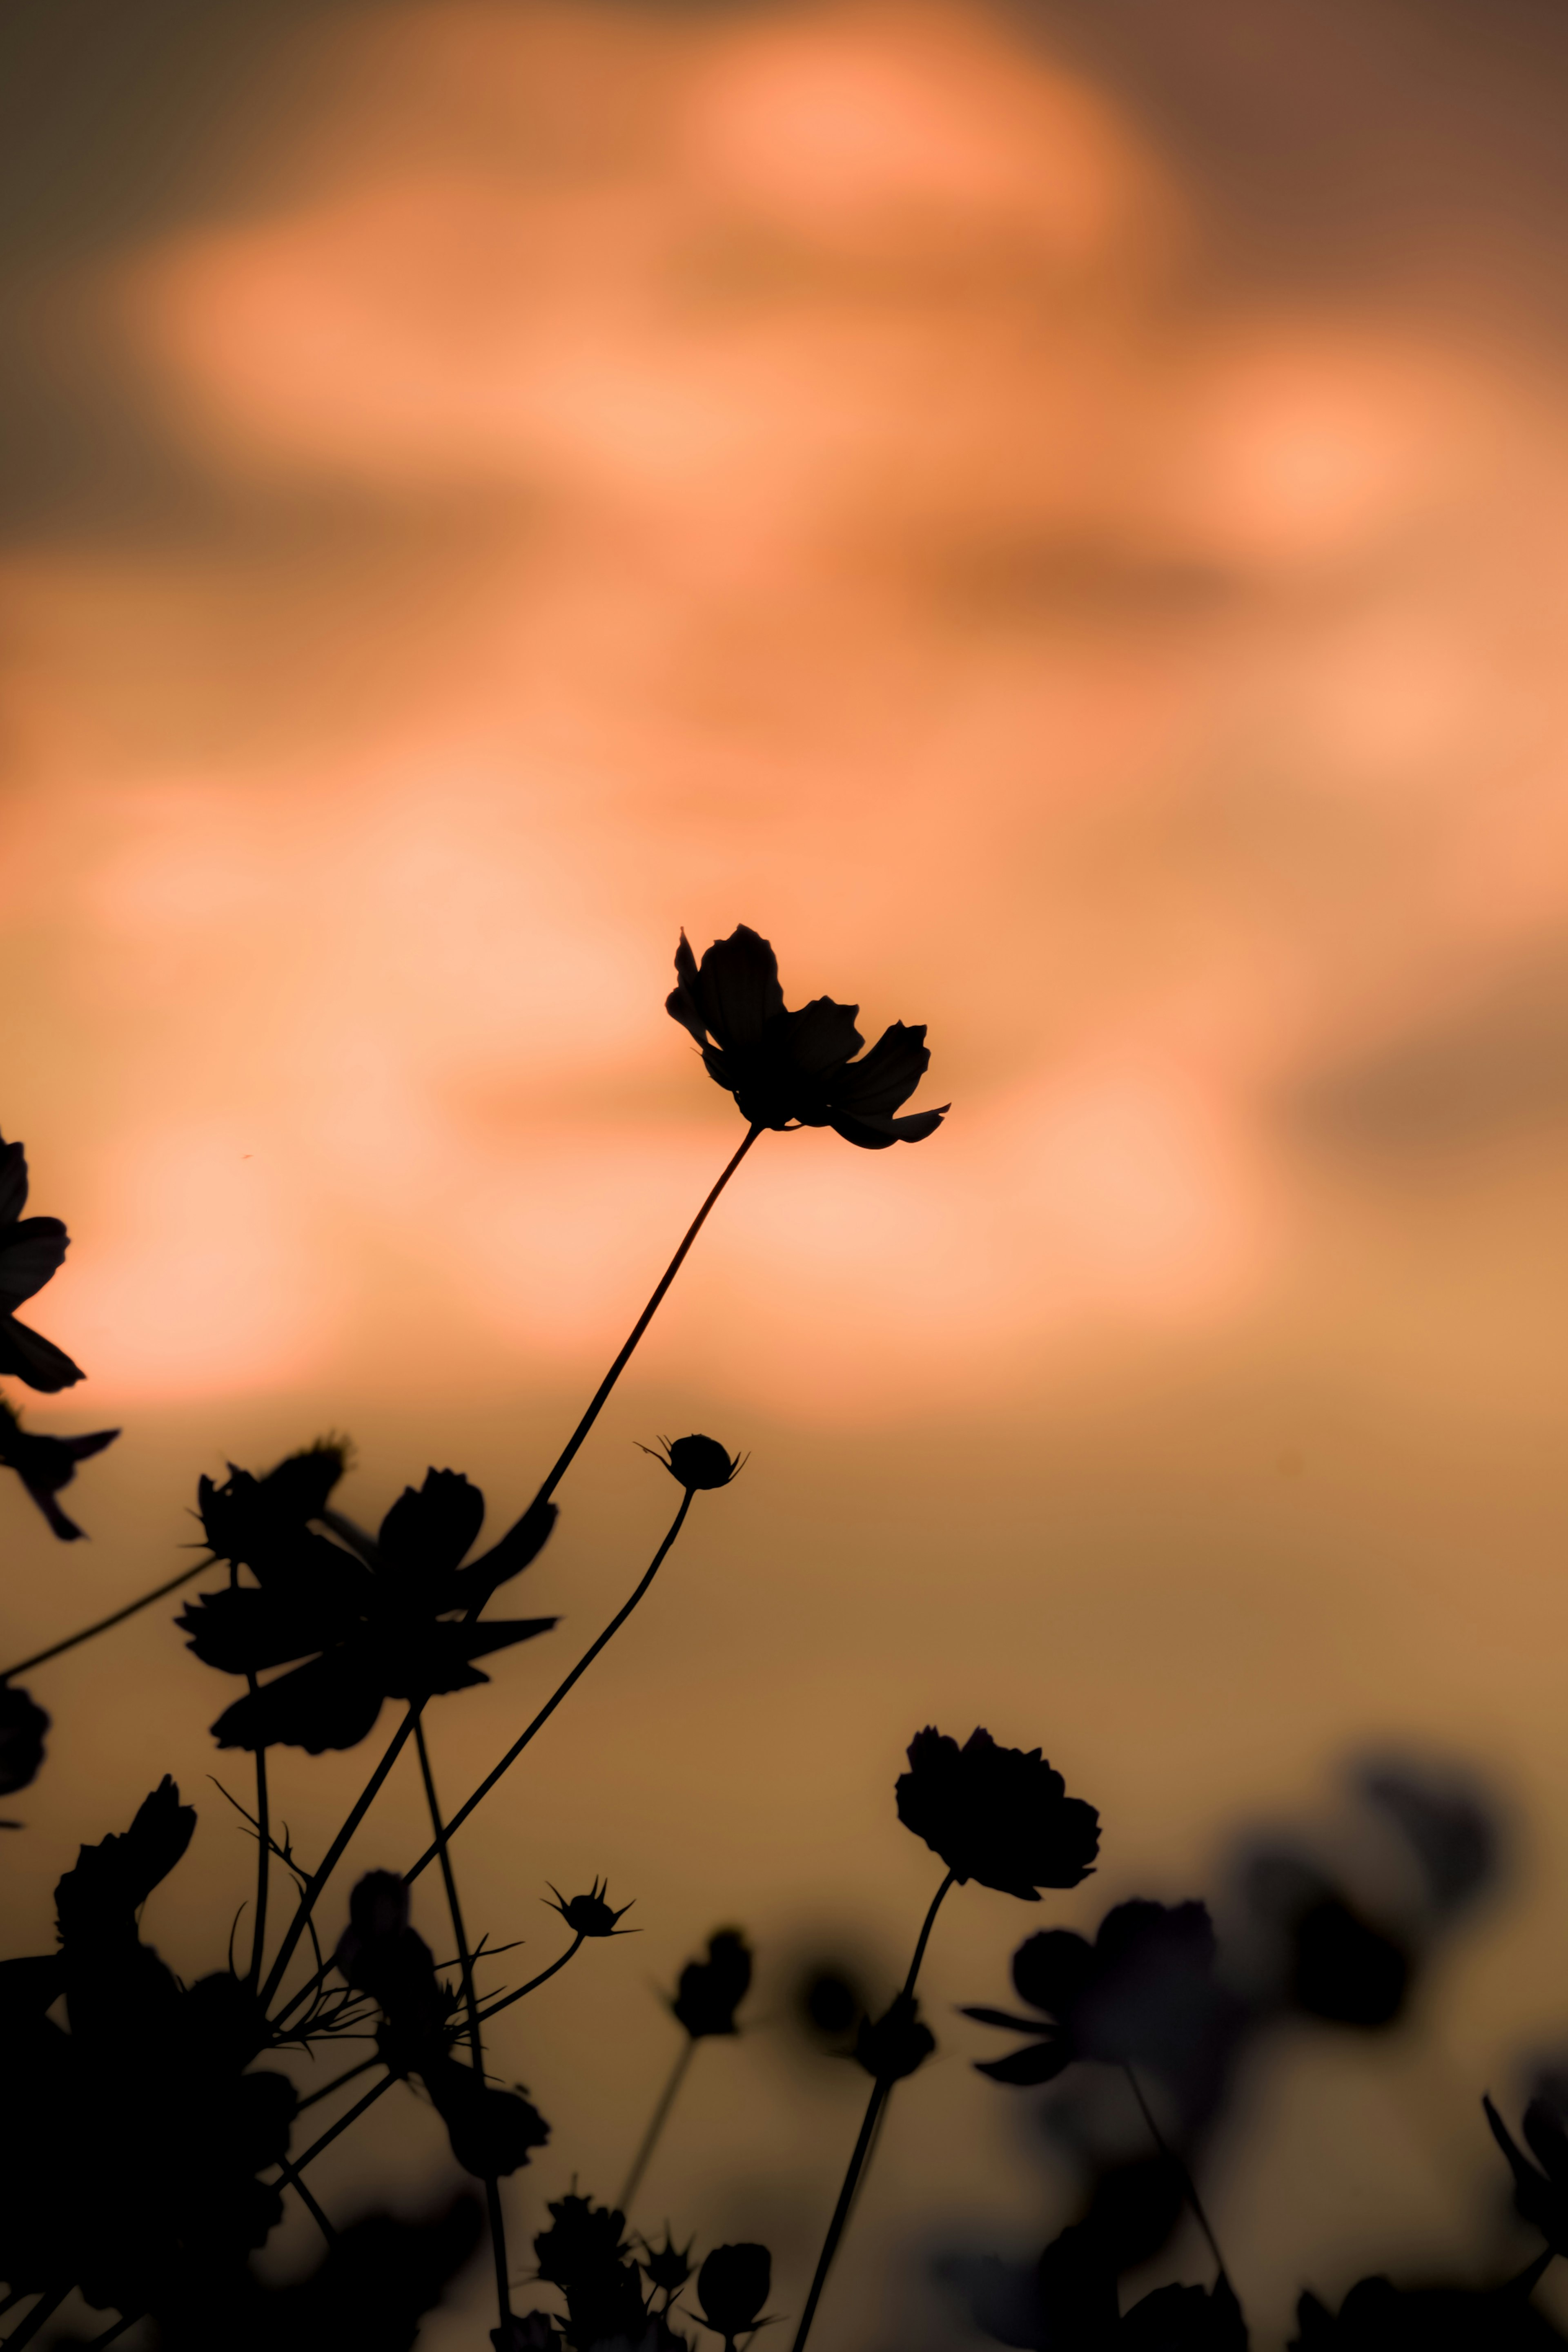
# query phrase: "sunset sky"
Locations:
[[1064, 530]]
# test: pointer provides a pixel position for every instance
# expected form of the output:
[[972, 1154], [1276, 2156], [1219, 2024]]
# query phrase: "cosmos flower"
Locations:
[[590, 1914], [996, 1814], [381, 1615], [22, 1728], [797, 1069], [711, 1990], [732, 2287], [1141, 1989], [698, 1464], [45, 1465], [32, 1250]]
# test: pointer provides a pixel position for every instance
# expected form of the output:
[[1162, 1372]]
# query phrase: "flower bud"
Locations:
[[895, 2043], [732, 2287], [711, 1990], [698, 1464]]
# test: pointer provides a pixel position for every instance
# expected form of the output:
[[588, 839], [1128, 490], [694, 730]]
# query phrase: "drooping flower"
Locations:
[[393, 1617], [711, 1990], [996, 1814], [698, 1464], [732, 2287], [1138, 1993], [45, 1465], [23, 1724], [590, 1914], [792, 1069], [32, 1250]]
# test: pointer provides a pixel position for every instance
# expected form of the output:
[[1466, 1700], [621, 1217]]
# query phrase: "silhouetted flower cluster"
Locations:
[[996, 1814], [390, 1617], [797, 1069]]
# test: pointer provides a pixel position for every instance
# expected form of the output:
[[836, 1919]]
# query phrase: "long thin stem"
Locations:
[[532, 1985], [476, 2037], [72, 1641], [551, 1704], [334, 1854], [350, 2074], [655, 2125], [263, 1858], [564, 1460], [288, 2176], [314, 2210], [1188, 2184], [39, 2316], [874, 2105]]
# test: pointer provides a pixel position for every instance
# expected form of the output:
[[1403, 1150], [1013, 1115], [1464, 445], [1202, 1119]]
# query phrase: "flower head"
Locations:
[[22, 1728], [668, 2266], [32, 1250], [389, 1618], [711, 1990], [895, 2043], [1140, 1992], [732, 2287], [590, 1914], [698, 1464], [45, 1465], [996, 1814], [796, 1070]]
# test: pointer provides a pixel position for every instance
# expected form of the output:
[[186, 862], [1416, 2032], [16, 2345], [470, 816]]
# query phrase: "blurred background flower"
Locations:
[[1053, 510]]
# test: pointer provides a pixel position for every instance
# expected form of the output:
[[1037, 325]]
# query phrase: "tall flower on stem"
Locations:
[[996, 1814]]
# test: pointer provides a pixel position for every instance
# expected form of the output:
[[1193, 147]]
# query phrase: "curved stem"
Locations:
[[656, 2125], [533, 1983], [1188, 2184], [476, 2038], [334, 1856], [564, 1459], [72, 1641], [263, 1858], [292, 2167], [874, 2105], [551, 1704]]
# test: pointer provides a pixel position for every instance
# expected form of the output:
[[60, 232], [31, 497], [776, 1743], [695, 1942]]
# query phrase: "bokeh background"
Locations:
[[1056, 515]]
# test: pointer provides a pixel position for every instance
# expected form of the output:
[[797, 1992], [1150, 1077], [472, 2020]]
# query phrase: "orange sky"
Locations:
[[609, 468]]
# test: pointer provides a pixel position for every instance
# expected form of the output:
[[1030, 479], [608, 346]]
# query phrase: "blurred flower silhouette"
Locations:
[[590, 1914], [45, 1465], [1377, 2316], [698, 1464], [32, 1250], [796, 1070], [895, 2043], [22, 1728], [1138, 1994], [1540, 2190], [711, 1990], [996, 1814], [380, 1615], [732, 2287], [668, 2266]]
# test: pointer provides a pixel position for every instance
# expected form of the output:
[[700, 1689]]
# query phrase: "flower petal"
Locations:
[[331, 1703], [13, 1182], [28, 1355], [885, 1076], [521, 1544], [31, 1251], [428, 1529], [1036, 2063], [876, 1134], [684, 1002], [823, 1037], [739, 989], [242, 1632]]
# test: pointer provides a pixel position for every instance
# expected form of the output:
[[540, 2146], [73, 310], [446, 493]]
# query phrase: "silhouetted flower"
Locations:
[[1540, 2196], [32, 1250], [1131, 1995], [996, 1814], [700, 1463], [732, 2287], [892, 2045], [711, 1990], [590, 1914], [1344, 1969], [668, 2266], [381, 1615], [492, 2132], [45, 1465], [380, 1954], [584, 2256], [1377, 2316], [22, 1728], [830, 2005], [787, 1069]]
